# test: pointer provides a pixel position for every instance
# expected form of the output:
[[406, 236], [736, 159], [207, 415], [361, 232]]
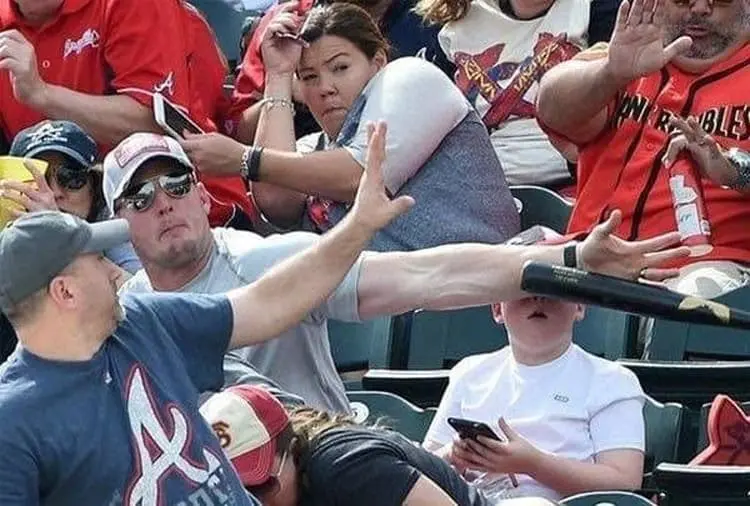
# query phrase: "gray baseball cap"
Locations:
[[38, 246]]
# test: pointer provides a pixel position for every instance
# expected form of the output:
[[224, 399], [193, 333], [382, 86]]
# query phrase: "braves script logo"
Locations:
[[480, 75], [166, 85], [90, 38], [161, 446]]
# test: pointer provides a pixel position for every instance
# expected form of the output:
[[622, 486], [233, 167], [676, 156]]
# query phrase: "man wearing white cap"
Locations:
[[99, 404], [147, 182]]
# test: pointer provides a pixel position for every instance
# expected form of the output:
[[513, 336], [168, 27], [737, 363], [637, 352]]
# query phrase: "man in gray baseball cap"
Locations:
[[37, 247], [99, 403]]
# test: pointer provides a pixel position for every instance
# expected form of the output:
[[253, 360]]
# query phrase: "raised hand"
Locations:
[[637, 45], [373, 208], [605, 253], [31, 197], [18, 56], [280, 49]]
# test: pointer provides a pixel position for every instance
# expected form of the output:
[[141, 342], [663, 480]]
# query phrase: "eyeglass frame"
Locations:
[[126, 200]]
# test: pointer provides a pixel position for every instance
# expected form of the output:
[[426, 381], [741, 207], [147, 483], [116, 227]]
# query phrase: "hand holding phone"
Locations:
[[171, 119], [471, 429]]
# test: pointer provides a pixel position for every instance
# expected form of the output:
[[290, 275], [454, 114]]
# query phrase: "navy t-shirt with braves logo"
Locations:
[[122, 428]]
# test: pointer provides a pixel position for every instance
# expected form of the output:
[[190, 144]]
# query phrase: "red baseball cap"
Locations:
[[247, 420]]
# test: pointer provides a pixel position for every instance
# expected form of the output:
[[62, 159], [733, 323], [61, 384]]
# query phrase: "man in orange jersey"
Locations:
[[668, 61]]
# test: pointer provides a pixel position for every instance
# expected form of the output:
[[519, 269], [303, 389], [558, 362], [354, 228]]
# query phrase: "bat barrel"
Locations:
[[629, 296]]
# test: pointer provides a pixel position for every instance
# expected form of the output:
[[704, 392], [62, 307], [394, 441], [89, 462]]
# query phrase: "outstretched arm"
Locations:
[[462, 275], [573, 96], [282, 297]]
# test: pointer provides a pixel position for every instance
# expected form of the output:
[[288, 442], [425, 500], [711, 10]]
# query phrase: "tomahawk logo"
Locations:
[[161, 449], [166, 87]]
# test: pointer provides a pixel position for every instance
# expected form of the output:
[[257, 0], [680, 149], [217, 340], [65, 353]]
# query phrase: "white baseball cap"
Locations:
[[121, 163]]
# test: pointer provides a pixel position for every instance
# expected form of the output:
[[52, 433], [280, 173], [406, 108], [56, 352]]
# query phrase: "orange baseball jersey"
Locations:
[[622, 169], [100, 47]]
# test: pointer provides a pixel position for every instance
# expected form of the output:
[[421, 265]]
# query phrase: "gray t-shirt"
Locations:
[[299, 360], [437, 150]]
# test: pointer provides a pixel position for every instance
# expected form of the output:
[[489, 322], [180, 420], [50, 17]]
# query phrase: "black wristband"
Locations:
[[570, 258], [253, 163]]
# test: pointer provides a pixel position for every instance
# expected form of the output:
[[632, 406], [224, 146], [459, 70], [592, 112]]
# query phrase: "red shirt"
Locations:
[[207, 71], [207, 67], [103, 47], [100, 47], [622, 169]]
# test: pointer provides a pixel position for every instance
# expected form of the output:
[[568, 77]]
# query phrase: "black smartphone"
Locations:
[[471, 429]]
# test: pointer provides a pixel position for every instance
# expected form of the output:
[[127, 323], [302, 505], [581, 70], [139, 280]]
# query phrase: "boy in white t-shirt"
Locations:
[[573, 421]]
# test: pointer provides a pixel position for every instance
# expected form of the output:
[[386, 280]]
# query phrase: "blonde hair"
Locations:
[[442, 11]]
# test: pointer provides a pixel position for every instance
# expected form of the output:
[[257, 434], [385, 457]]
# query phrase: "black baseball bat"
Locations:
[[623, 295]]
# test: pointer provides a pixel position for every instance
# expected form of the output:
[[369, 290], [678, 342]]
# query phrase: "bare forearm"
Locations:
[[573, 97], [331, 174], [107, 118], [276, 130], [568, 477], [276, 124], [248, 124], [288, 292], [446, 277]]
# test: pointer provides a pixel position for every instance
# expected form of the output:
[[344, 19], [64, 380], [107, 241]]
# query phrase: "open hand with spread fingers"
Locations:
[[605, 253], [32, 197], [703, 149], [637, 46], [373, 208]]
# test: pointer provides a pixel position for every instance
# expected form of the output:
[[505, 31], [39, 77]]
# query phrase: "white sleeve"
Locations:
[[420, 105], [450, 406], [617, 412]]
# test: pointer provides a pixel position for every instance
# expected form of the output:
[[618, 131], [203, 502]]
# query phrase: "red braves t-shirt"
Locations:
[[100, 47], [104, 47]]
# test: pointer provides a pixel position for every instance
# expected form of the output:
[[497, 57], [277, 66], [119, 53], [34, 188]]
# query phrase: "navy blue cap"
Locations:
[[57, 136]]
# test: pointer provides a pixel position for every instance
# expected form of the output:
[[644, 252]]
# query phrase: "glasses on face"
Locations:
[[70, 177], [272, 483], [140, 197]]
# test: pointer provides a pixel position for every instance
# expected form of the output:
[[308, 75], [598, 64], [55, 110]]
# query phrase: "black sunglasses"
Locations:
[[70, 177], [140, 197]]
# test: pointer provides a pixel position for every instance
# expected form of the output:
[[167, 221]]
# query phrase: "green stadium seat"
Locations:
[[392, 411], [676, 341], [226, 23], [440, 339], [663, 432], [683, 485], [356, 347], [606, 499], [691, 384], [541, 206]]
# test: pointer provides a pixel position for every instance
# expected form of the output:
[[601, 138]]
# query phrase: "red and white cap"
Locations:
[[126, 158], [247, 420]]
